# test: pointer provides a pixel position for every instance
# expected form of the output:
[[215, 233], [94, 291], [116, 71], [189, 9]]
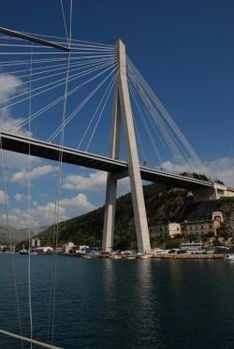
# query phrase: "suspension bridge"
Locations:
[[86, 104]]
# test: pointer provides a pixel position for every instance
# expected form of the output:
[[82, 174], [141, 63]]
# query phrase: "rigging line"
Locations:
[[70, 28], [9, 240], [64, 19], [28, 340], [51, 84], [105, 99], [29, 206], [59, 178], [81, 105], [47, 107]]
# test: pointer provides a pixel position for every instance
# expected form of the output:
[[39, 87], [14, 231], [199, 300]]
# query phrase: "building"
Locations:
[[200, 228], [203, 227]]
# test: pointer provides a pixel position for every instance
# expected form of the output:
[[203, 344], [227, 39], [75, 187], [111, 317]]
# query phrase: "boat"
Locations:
[[145, 256], [230, 257], [23, 251]]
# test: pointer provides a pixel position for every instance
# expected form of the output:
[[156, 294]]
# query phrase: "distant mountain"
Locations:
[[11, 235]]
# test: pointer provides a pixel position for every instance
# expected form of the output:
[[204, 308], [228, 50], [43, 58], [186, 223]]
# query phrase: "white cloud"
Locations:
[[222, 169], [19, 197], [9, 84], [34, 217], [40, 171], [79, 202], [177, 168], [123, 186], [96, 181], [44, 215], [3, 197]]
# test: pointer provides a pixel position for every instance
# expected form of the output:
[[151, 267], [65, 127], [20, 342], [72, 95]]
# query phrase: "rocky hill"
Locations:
[[163, 205]]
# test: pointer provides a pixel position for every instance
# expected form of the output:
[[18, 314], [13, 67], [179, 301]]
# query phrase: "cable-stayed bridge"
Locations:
[[45, 150], [110, 119]]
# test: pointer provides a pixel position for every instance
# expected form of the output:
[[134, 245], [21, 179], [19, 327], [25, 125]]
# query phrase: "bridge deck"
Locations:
[[24, 145]]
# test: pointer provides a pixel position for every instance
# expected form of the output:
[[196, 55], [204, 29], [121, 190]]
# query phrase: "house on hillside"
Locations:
[[200, 226]]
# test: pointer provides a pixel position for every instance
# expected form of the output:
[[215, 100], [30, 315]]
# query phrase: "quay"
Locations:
[[188, 256], [185, 256]]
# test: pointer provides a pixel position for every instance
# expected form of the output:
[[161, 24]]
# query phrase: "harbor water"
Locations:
[[112, 304]]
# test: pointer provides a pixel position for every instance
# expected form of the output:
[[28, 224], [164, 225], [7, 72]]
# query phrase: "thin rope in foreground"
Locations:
[[58, 192], [29, 202], [28, 340], [9, 239]]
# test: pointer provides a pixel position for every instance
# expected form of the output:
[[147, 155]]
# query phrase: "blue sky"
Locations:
[[184, 50]]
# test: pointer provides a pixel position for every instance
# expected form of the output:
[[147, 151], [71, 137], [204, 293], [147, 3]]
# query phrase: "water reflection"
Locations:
[[131, 303]]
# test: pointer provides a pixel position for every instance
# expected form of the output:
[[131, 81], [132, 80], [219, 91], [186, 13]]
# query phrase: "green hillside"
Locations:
[[163, 205]]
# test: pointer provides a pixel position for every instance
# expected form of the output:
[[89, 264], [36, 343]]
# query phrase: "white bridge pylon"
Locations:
[[122, 115]]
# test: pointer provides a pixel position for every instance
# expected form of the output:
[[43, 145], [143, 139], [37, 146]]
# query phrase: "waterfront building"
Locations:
[[200, 228]]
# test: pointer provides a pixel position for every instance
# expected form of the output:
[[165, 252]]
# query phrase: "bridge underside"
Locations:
[[20, 144]]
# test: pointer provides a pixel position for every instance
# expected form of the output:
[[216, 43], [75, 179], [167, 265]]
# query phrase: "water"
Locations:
[[102, 303]]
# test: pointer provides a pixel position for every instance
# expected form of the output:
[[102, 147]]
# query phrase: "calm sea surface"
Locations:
[[102, 303]]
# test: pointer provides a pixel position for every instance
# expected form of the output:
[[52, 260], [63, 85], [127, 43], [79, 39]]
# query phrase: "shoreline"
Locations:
[[188, 256], [151, 256]]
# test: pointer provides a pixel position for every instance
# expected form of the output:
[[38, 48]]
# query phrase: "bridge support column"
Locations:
[[109, 218], [122, 113]]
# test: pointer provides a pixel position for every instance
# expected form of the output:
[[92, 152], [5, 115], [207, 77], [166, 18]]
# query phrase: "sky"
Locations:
[[184, 50]]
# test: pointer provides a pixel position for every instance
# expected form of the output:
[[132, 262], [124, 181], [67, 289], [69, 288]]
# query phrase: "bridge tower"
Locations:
[[122, 115]]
